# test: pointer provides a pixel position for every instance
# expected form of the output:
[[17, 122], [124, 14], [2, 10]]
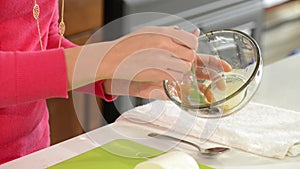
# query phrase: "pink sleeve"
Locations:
[[31, 76], [94, 88]]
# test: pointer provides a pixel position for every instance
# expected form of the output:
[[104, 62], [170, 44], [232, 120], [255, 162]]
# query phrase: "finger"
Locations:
[[157, 75], [167, 59], [221, 84], [168, 63], [151, 65], [181, 37], [180, 43], [207, 92], [227, 67], [182, 52], [184, 38], [205, 73], [178, 36], [213, 61], [197, 32]]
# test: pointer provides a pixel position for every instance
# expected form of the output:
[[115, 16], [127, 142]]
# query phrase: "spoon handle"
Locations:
[[156, 135], [209, 152]]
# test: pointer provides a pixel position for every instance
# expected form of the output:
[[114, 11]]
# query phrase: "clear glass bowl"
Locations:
[[229, 91]]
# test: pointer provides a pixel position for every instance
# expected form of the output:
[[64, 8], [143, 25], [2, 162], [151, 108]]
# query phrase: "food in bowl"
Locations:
[[205, 98]]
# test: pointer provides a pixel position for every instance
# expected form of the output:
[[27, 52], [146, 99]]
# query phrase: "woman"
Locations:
[[36, 64]]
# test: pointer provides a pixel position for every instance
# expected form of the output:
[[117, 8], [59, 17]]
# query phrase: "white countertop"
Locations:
[[280, 84], [280, 87]]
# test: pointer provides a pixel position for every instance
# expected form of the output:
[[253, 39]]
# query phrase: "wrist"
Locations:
[[87, 64], [71, 56]]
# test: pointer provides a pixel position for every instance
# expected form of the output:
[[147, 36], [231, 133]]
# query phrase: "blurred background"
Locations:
[[275, 24]]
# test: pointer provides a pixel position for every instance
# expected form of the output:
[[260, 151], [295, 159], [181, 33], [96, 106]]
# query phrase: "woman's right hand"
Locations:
[[150, 54], [142, 59]]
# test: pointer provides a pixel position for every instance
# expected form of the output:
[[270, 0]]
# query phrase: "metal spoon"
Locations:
[[205, 151]]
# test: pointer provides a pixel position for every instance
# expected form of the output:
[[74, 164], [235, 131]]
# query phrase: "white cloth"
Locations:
[[260, 129]]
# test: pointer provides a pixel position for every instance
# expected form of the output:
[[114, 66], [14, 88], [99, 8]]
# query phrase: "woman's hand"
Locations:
[[208, 67], [155, 90], [150, 54], [145, 84], [139, 62]]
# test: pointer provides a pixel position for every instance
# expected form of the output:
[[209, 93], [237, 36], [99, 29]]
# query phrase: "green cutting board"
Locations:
[[118, 154]]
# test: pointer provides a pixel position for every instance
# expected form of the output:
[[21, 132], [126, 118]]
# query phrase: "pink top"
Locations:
[[28, 76]]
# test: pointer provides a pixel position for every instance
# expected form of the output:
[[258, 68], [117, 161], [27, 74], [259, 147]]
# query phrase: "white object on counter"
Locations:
[[258, 128], [170, 160]]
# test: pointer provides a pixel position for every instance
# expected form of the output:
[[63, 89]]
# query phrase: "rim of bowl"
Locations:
[[249, 80]]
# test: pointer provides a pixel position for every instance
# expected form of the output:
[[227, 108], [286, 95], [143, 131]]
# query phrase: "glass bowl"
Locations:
[[220, 93]]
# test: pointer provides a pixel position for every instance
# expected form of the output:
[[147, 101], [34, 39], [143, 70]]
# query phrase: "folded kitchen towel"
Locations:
[[257, 128]]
